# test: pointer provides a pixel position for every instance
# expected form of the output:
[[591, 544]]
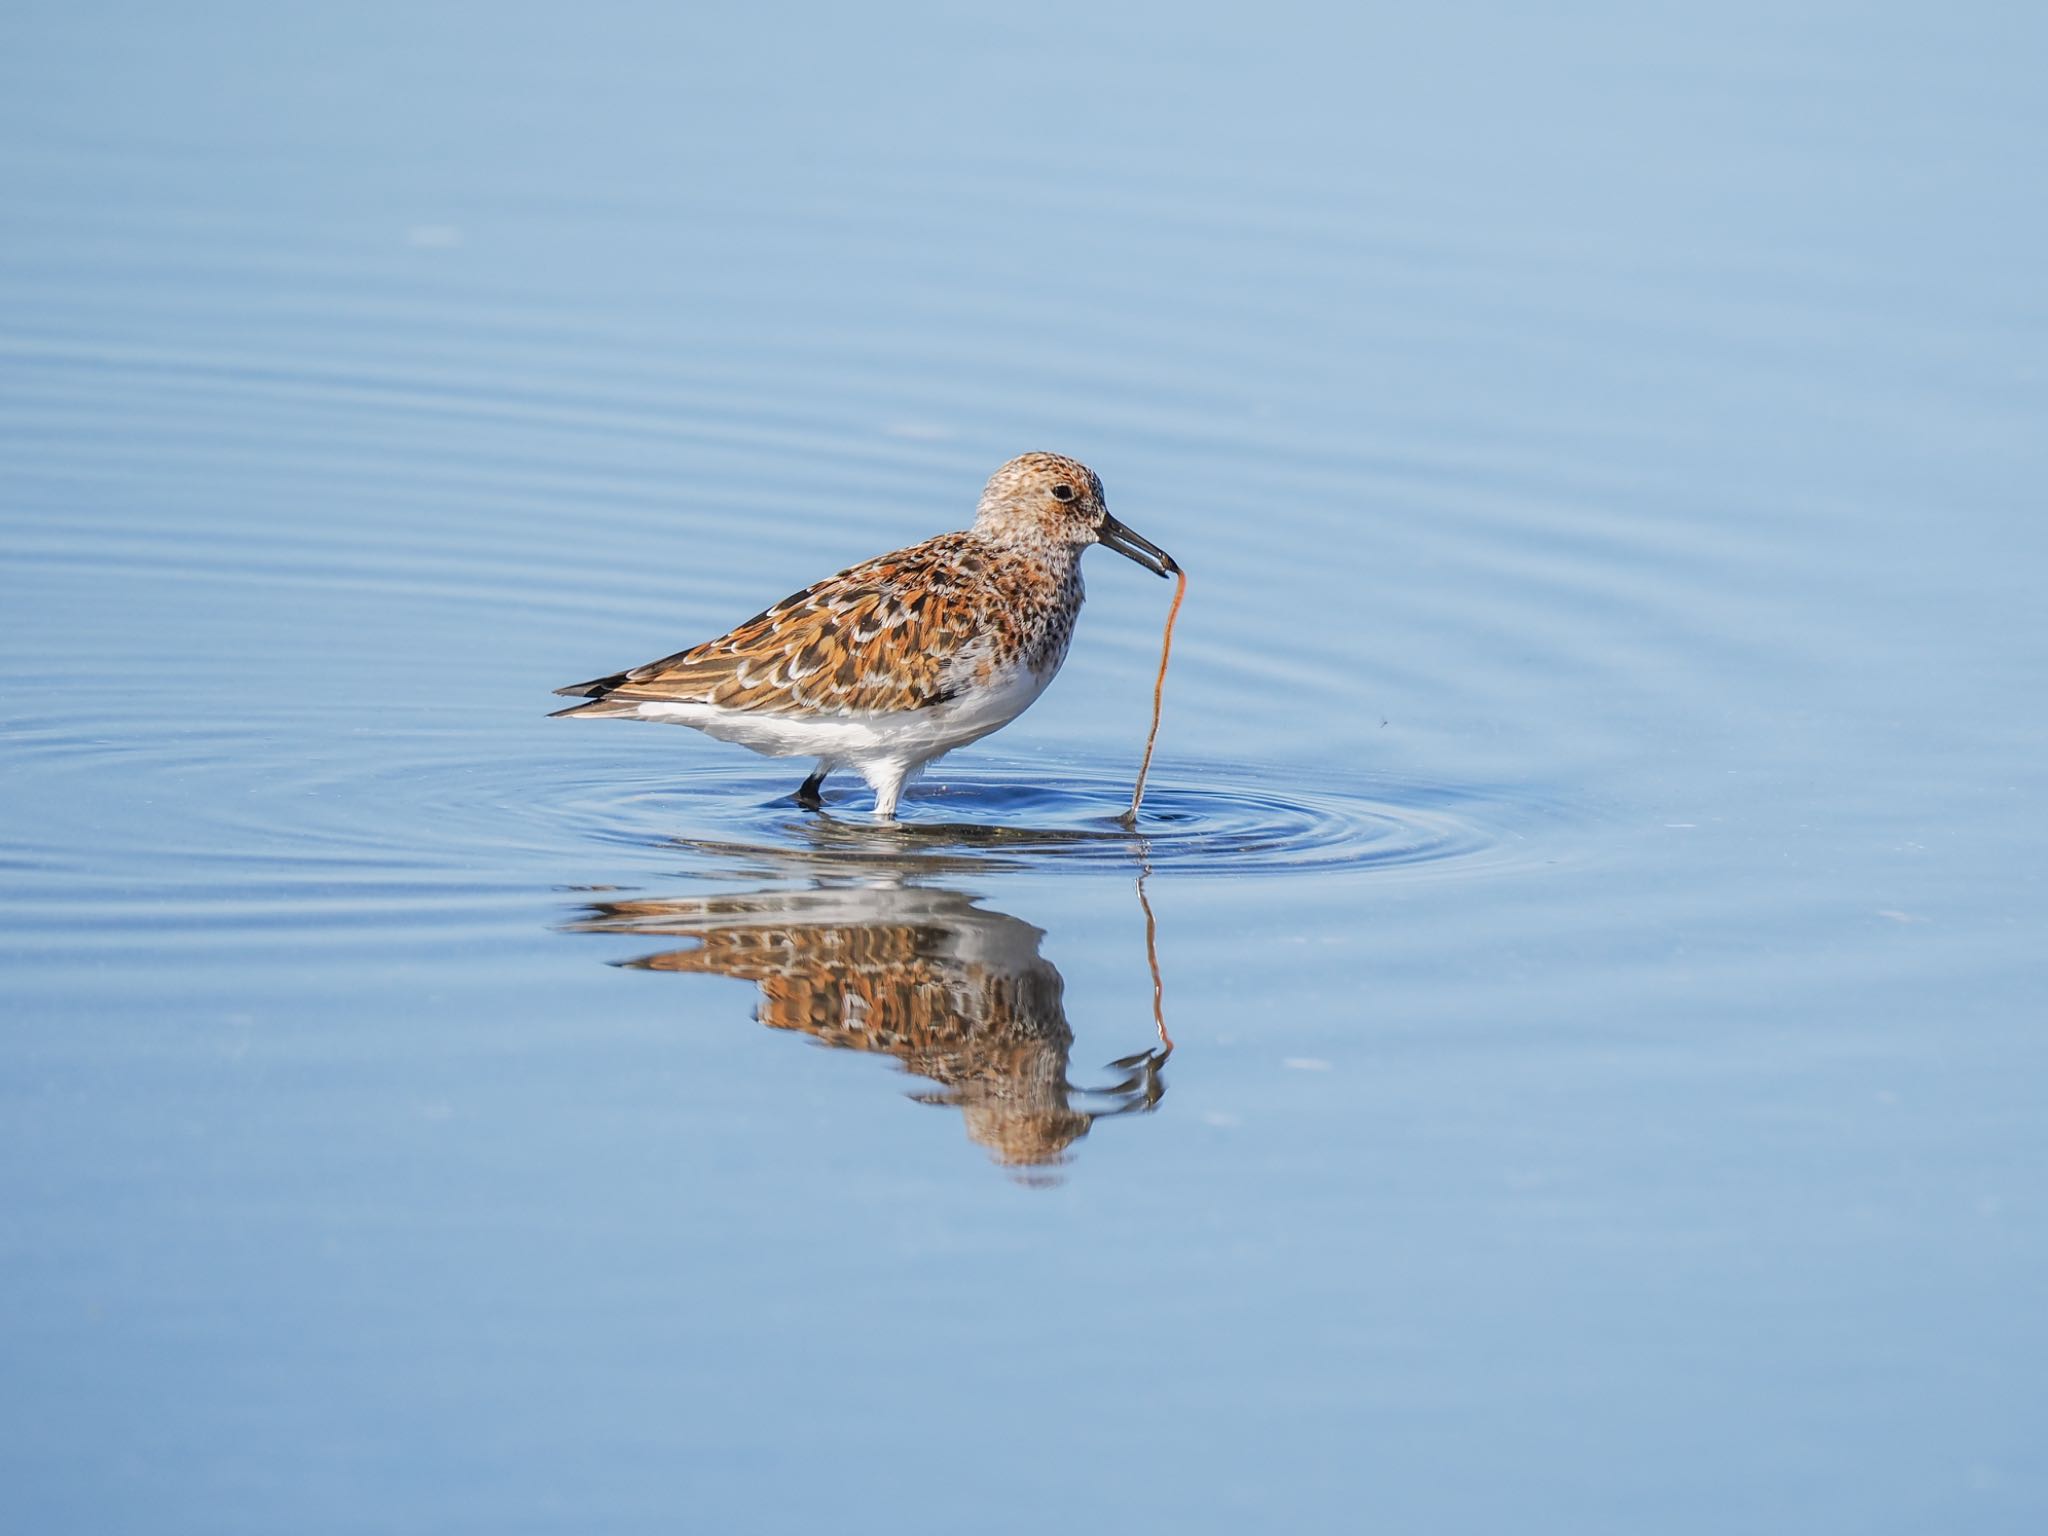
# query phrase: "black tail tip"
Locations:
[[596, 688]]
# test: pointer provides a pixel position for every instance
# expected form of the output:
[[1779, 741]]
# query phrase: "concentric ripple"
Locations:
[[1205, 819], [392, 829]]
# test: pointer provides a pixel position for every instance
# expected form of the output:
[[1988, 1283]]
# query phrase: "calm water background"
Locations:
[[1599, 821]]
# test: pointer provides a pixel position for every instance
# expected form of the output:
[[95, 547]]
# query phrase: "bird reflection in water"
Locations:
[[957, 994]]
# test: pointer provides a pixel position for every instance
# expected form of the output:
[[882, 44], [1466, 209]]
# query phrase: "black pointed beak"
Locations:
[[1116, 536]]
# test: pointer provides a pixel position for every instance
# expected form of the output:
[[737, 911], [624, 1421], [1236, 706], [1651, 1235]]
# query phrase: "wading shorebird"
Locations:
[[893, 663]]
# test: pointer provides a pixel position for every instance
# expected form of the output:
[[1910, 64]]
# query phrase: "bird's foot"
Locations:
[[809, 794]]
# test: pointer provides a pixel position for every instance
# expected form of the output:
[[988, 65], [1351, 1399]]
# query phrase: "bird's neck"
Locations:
[[1015, 537]]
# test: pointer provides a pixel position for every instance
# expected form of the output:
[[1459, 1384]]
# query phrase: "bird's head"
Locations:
[[1046, 498]]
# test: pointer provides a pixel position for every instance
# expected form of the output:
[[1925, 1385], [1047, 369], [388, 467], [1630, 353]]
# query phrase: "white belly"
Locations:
[[912, 737]]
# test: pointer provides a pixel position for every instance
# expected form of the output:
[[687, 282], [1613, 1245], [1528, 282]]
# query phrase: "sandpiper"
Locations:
[[896, 661]]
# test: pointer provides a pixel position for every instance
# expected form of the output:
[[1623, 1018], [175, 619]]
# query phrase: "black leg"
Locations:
[[808, 796]]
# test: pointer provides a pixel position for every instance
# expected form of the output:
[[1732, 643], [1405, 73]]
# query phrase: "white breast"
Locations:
[[914, 736]]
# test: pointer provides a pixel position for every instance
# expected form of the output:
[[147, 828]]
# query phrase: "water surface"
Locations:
[[1566, 1036]]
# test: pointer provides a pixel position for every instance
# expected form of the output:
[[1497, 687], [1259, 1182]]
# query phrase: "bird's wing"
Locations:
[[881, 637]]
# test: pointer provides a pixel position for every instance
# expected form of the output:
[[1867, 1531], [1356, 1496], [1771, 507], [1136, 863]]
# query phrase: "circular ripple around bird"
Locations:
[[416, 822], [1202, 820]]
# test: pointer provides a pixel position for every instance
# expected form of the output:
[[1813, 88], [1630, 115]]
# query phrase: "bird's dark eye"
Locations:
[[1063, 493]]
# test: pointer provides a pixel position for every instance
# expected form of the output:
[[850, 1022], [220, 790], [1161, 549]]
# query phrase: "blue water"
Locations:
[[1591, 884]]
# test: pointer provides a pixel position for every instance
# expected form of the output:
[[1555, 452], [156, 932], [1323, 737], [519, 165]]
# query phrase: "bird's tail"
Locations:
[[598, 709], [598, 702]]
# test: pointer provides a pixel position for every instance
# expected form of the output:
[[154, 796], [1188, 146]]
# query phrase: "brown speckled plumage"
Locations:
[[895, 661], [903, 631]]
